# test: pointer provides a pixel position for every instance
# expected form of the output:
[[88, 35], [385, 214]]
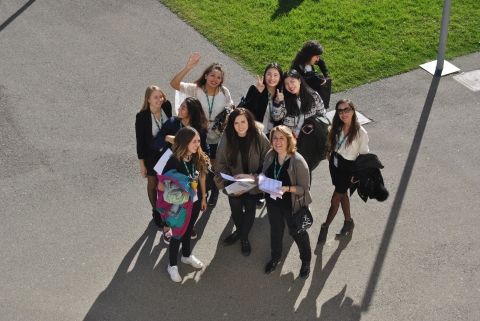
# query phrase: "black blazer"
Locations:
[[143, 130]]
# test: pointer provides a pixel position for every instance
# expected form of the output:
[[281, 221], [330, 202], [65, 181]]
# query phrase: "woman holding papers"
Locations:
[[191, 114], [346, 140], [155, 109], [241, 153], [185, 169], [283, 163]]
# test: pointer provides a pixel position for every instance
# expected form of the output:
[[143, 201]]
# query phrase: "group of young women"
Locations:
[[256, 139]]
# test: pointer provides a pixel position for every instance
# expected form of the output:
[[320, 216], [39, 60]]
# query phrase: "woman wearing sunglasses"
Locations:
[[346, 140]]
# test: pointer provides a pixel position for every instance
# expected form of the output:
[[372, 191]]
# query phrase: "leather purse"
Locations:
[[303, 218]]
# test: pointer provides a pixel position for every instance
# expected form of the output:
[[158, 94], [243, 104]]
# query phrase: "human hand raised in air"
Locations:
[[193, 60], [260, 86]]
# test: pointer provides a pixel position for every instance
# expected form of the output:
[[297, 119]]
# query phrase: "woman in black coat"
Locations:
[[155, 110], [304, 62]]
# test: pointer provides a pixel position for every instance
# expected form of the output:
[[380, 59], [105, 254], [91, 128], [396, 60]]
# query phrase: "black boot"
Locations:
[[246, 248], [347, 228], [270, 267], [212, 201], [232, 238], [157, 219], [322, 238], [305, 269]]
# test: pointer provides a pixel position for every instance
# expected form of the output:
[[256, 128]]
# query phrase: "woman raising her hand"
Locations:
[[214, 97]]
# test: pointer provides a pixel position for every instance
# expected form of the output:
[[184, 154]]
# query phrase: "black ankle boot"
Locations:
[[212, 201], [322, 238], [305, 269], [270, 267], [347, 228], [157, 219], [246, 248]]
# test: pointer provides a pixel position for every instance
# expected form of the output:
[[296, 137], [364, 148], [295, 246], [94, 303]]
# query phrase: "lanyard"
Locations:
[[210, 107], [300, 115], [269, 104], [156, 121], [190, 175], [339, 144], [275, 173]]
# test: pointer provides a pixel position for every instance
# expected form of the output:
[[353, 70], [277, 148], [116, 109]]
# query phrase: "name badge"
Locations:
[[335, 161]]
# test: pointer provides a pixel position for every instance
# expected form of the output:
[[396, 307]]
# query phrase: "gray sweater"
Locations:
[[299, 177], [255, 161]]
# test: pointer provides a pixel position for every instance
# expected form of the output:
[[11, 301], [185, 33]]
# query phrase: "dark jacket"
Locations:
[[315, 80], [312, 146], [171, 127], [368, 180], [257, 103], [143, 130]]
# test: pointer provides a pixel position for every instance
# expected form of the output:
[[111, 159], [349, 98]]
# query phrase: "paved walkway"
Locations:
[[77, 242]]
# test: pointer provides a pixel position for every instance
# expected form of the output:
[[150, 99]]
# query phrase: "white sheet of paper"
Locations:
[[231, 178], [239, 186], [162, 161], [269, 185]]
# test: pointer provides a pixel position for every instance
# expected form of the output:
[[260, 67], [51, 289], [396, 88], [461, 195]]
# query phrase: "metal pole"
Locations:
[[443, 37]]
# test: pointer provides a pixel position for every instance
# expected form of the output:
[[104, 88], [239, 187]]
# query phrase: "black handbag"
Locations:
[[302, 218]]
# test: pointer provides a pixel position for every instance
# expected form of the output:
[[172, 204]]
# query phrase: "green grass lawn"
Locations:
[[364, 40]]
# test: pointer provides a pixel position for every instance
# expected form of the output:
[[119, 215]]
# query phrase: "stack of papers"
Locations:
[[269, 186], [241, 184]]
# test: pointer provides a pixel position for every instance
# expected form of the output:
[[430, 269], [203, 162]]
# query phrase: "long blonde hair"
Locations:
[[148, 92]]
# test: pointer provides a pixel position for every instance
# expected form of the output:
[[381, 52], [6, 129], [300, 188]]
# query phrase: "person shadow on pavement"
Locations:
[[230, 286], [338, 307]]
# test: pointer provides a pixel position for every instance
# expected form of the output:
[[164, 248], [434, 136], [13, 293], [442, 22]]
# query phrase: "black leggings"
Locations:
[[278, 218], [185, 240], [243, 220]]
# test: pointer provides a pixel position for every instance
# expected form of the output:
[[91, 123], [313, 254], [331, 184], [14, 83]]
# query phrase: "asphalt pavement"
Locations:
[[77, 241]]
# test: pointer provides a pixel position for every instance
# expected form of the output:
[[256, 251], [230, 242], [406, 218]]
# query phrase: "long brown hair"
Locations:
[[201, 81], [148, 92], [253, 135], [337, 125], [180, 148]]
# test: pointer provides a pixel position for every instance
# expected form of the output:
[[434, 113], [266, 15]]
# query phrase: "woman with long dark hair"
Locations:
[[265, 99], [155, 110], [305, 61], [346, 140], [214, 97], [187, 169], [241, 151], [301, 102]]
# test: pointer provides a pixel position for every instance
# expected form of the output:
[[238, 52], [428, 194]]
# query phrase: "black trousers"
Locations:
[[174, 246], [277, 217], [243, 220]]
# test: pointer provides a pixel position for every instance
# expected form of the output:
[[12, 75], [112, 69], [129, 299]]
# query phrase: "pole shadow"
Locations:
[[402, 189], [16, 14]]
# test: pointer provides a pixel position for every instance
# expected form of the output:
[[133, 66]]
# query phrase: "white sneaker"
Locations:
[[173, 272], [193, 261]]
